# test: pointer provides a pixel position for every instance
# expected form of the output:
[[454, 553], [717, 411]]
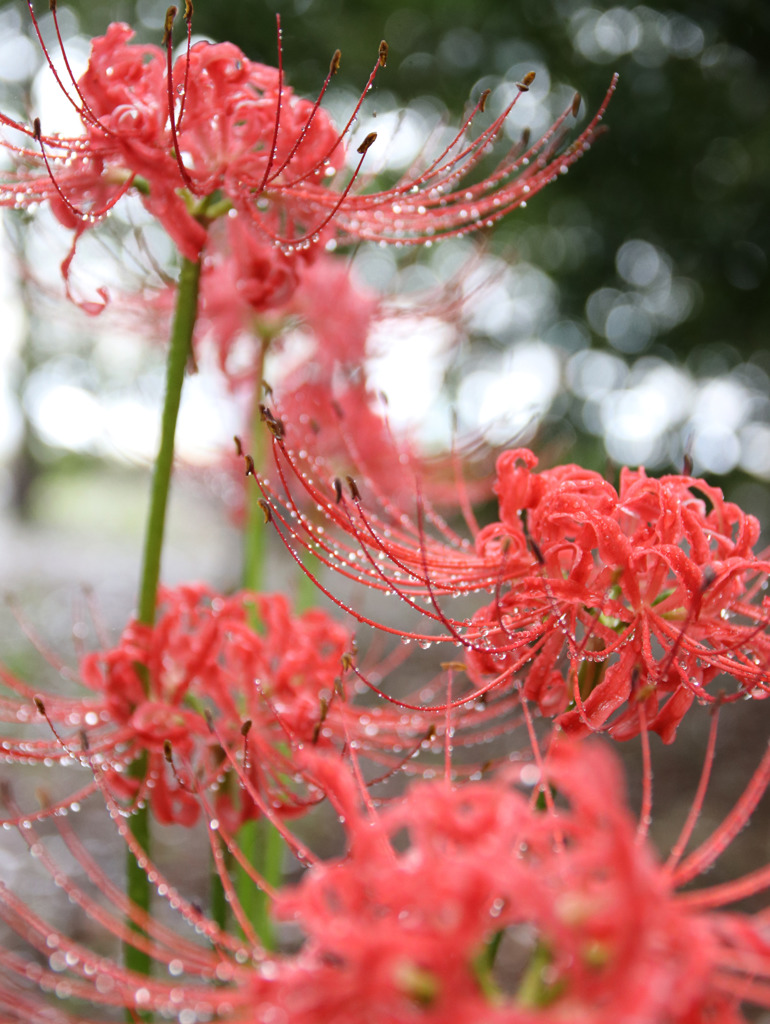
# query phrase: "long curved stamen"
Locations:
[[168, 44], [333, 68], [645, 812], [342, 135], [697, 805], [273, 147], [85, 216], [82, 107], [188, 16], [289, 244], [84, 110], [702, 858], [300, 850]]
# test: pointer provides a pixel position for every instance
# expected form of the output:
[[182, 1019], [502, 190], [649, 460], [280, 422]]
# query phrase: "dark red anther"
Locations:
[[576, 99], [168, 752], [334, 66], [266, 511], [39, 705], [250, 470], [168, 25], [531, 542], [238, 446], [483, 100], [188, 11], [527, 80], [354, 491], [709, 575], [322, 718], [338, 489], [246, 728], [536, 550], [367, 143], [36, 131], [382, 57], [274, 424]]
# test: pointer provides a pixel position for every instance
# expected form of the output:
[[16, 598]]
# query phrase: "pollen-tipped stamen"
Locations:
[[333, 69], [168, 45], [82, 108]]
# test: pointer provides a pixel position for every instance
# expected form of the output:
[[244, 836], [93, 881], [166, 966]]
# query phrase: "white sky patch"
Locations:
[[409, 357], [755, 449], [508, 398], [67, 416], [56, 112], [400, 138], [721, 401], [208, 419]]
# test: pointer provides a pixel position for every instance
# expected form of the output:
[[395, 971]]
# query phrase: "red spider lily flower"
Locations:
[[268, 679], [650, 593], [589, 918], [222, 694], [215, 132], [612, 609], [486, 907]]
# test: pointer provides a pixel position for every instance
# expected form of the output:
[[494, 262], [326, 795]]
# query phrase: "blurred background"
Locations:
[[624, 313]]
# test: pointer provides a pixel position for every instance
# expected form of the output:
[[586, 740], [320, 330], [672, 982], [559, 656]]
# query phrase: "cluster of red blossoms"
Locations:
[[215, 136], [613, 610], [513, 886], [470, 902], [220, 694], [267, 676], [631, 601]]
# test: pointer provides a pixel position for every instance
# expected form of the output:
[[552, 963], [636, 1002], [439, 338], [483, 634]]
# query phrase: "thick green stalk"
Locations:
[[219, 906], [254, 546], [178, 355], [260, 841], [263, 846], [138, 887]]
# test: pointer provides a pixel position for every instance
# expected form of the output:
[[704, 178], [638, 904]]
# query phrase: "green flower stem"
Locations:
[[255, 536], [263, 846], [179, 353], [219, 905], [483, 966], [260, 841], [137, 885]]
